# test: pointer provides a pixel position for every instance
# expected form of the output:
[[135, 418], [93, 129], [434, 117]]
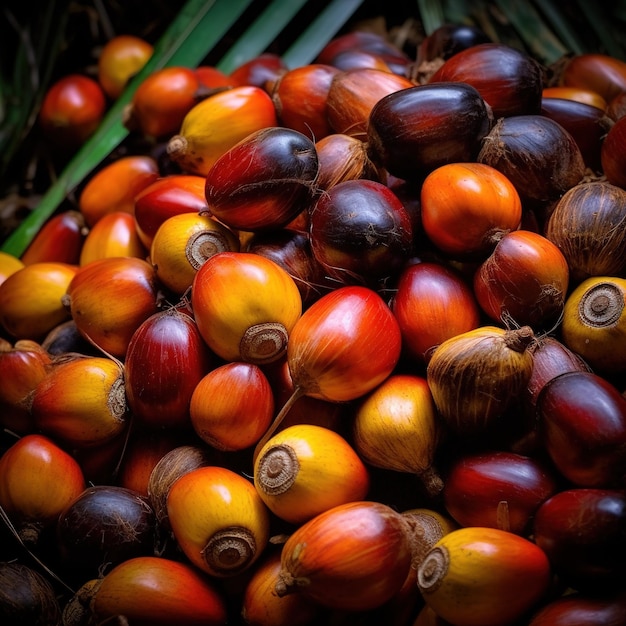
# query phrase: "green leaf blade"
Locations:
[[313, 39]]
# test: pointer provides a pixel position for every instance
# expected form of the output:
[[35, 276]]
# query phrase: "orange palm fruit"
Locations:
[[81, 402], [9, 264], [71, 110], [218, 520], [477, 576], [245, 306], [109, 298], [38, 479], [262, 607], [155, 591], [114, 187], [165, 197], [22, 367], [396, 428], [162, 100], [232, 406], [352, 557], [212, 78], [31, 299], [60, 240], [305, 470], [120, 59], [113, 235], [183, 243], [217, 123]]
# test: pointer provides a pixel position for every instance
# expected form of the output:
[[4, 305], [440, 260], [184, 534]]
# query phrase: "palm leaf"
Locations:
[[432, 14], [260, 34], [320, 32], [532, 30], [600, 23]]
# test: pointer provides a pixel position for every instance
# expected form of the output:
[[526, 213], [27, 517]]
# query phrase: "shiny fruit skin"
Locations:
[[341, 158], [353, 557], [165, 197], [38, 479], [551, 357], [601, 73], [212, 78], [71, 110], [31, 299], [260, 71], [432, 303], [586, 123], [22, 366], [109, 298], [103, 526], [300, 98], [114, 235], [361, 40], [262, 607], [525, 280], [360, 232], [467, 207], [305, 470], [354, 93], [477, 485], [582, 532], [232, 406], [395, 427], [612, 154], [144, 450], [183, 243], [120, 59], [332, 360], [264, 181], [59, 240], [81, 402], [582, 425], [478, 576], [182, 458], [360, 59], [245, 306], [537, 155], [217, 123], [582, 609], [160, 103], [9, 264], [414, 131], [577, 94], [218, 520], [114, 187], [291, 249], [156, 591], [594, 323], [508, 79], [165, 360]]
